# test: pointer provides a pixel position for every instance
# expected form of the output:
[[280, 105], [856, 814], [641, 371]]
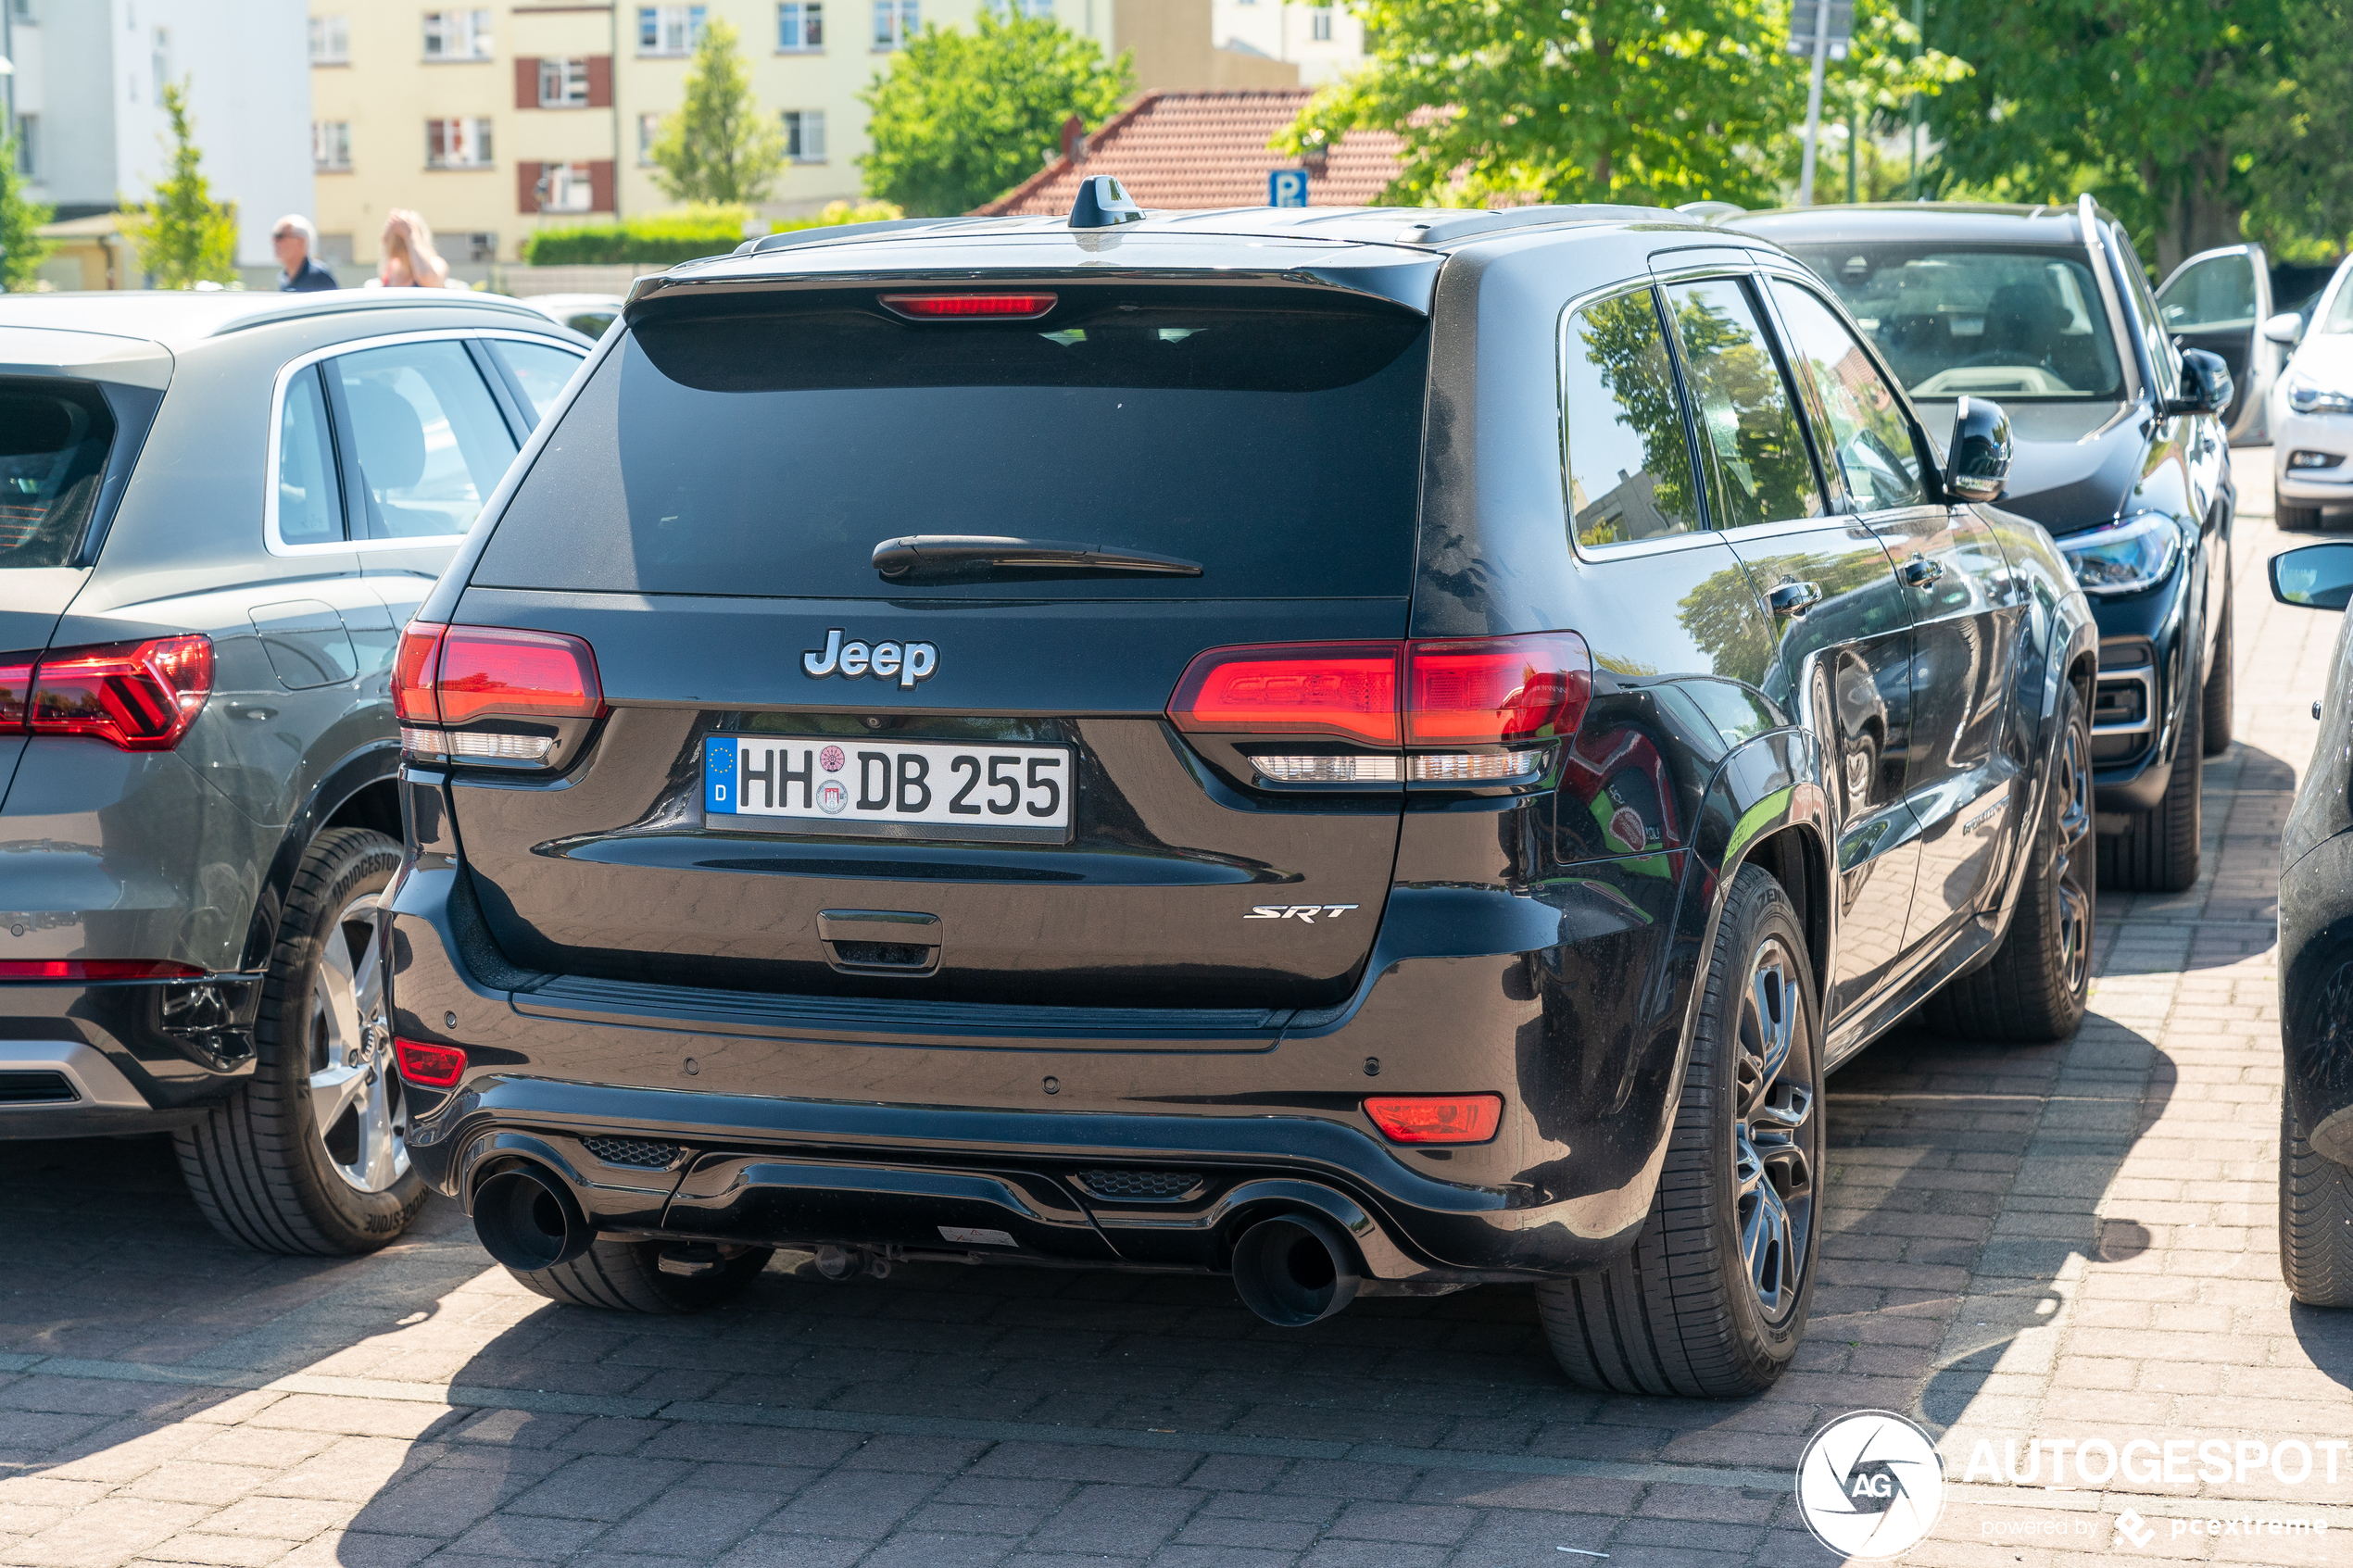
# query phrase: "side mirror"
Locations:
[[2284, 328], [1977, 463], [2205, 383], [2314, 576]]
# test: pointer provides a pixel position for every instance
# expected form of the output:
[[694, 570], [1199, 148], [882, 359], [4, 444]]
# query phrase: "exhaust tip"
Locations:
[[1294, 1270], [527, 1218]]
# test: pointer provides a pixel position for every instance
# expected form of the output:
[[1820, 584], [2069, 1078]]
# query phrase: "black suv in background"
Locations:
[[2120, 454], [1372, 751]]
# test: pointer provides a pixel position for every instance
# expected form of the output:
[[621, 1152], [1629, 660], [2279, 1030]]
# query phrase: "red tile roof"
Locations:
[[1194, 150]]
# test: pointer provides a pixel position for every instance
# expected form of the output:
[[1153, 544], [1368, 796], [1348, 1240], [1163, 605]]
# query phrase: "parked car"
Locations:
[[2237, 302], [2121, 455], [216, 512], [2311, 408], [1126, 744], [587, 314], [2316, 962]]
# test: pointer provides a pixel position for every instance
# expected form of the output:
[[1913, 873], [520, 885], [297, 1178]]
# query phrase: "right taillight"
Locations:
[[1431, 697], [498, 694]]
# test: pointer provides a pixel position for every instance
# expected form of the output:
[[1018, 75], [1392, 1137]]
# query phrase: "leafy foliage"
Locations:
[[21, 248], [963, 117], [183, 236], [675, 237], [1653, 101], [2159, 107], [720, 146]]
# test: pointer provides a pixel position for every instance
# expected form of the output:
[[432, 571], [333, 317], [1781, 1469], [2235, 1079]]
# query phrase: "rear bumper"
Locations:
[[120, 1057]]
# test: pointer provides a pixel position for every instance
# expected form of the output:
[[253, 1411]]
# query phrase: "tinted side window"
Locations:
[[309, 506], [53, 439], [1744, 406], [1630, 464], [542, 370], [1869, 435], [430, 440]]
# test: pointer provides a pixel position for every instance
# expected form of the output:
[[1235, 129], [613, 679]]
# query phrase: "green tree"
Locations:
[[183, 236], [1659, 101], [719, 147], [2303, 206], [21, 248], [963, 117], [2158, 106]]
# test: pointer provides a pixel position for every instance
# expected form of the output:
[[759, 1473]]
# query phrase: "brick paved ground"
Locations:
[[2071, 1242]]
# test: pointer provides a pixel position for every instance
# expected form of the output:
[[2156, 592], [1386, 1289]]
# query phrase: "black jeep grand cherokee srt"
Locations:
[[1372, 751]]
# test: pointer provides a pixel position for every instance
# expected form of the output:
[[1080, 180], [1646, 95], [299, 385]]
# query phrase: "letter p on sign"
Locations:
[[1287, 187]]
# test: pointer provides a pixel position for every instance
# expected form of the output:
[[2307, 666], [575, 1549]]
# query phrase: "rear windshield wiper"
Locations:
[[956, 555]]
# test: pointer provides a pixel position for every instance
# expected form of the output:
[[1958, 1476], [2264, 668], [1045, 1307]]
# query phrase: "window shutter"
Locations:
[[600, 82], [600, 185], [526, 187], [526, 83]]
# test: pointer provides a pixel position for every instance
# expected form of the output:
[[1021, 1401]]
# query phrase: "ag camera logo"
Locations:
[[1870, 1484]]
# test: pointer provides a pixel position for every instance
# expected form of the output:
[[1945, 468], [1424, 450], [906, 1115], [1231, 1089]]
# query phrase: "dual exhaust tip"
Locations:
[[1291, 1269]]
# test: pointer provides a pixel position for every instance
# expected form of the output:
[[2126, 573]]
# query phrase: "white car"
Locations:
[[2311, 408], [587, 314]]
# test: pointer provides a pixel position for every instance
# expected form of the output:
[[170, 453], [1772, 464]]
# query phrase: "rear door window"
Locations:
[[53, 439], [425, 437], [1867, 437], [309, 501], [1628, 456], [1764, 473], [1271, 437]]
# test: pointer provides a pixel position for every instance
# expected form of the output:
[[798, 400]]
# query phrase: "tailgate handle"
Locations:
[[880, 941]]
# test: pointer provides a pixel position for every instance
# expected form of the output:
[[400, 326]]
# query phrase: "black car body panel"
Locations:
[[2316, 923], [1119, 1012], [2083, 465]]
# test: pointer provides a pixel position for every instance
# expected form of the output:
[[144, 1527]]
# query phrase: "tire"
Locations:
[[2034, 988], [2157, 851], [2292, 518], [259, 1164], [2219, 695], [627, 1276], [2316, 1218], [1683, 1312]]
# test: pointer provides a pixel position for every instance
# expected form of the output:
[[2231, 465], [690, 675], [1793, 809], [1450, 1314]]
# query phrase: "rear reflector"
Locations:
[[970, 307], [1437, 1117], [1347, 689], [1486, 691], [97, 969], [135, 697], [431, 1067]]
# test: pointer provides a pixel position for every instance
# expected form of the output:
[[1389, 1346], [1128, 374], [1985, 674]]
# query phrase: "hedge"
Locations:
[[673, 237]]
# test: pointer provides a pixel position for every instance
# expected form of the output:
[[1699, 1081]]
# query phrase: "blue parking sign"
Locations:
[[1287, 187]]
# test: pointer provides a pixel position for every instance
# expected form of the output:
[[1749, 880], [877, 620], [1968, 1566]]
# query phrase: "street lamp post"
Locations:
[[1821, 27]]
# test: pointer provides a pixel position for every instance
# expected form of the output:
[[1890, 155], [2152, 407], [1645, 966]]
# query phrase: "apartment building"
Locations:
[[85, 102], [494, 119], [1323, 42]]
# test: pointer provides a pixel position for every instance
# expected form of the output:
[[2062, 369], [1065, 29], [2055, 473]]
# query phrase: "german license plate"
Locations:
[[887, 789]]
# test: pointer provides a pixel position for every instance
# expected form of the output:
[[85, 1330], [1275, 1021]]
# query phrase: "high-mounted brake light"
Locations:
[[487, 670], [970, 307], [431, 1067], [98, 968], [135, 697], [1437, 1117], [1491, 691], [1346, 689]]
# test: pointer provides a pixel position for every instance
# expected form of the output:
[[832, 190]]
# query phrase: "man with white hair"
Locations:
[[293, 237]]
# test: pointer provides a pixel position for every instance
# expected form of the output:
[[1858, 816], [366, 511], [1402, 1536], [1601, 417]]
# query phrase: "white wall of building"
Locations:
[[1288, 30]]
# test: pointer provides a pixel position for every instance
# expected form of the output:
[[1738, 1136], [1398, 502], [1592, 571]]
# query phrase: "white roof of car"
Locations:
[[174, 317]]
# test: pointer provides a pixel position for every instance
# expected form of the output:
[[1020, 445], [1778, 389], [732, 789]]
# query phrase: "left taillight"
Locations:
[[495, 694], [135, 697]]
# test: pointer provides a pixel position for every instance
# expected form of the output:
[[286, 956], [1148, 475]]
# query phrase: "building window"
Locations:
[[564, 85], [458, 144], [457, 35], [805, 135], [895, 22], [29, 145], [649, 133], [800, 26], [482, 245], [329, 144], [20, 11], [1017, 10], [566, 187], [669, 29], [330, 40], [1319, 24]]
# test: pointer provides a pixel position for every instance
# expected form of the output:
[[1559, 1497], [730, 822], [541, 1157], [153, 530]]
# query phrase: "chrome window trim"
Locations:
[[270, 537]]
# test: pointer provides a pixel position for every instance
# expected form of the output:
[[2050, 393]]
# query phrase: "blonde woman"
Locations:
[[410, 260]]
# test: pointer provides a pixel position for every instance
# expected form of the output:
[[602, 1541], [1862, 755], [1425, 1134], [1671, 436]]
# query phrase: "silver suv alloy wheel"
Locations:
[[1770, 1164], [356, 1103]]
